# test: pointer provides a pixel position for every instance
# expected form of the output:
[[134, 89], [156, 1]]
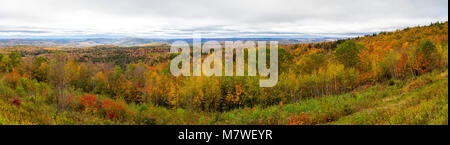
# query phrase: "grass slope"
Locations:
[[422, 100]]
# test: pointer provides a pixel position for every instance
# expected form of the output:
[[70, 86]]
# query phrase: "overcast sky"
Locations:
[[225, 18]]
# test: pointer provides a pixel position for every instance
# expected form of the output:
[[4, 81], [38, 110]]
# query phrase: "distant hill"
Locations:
[[141, 41], [80, 42]]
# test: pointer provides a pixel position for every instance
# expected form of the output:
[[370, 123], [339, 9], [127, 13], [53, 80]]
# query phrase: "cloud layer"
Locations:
[[231, 18]]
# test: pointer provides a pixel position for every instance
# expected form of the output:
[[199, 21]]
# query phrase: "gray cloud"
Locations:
[[22, 31], [169, 18]]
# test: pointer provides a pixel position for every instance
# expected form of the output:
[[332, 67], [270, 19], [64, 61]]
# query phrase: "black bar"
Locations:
[[280, 134]]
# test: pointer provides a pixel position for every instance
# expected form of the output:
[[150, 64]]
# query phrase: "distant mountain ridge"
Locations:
[[130, 41], [79, 42]]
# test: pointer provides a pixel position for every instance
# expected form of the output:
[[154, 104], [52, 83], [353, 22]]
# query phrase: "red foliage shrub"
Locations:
[[89, 101], [114, 110], [16, 101]]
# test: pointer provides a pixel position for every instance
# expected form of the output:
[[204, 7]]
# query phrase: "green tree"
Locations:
[[14, 58], [5, 66], [312, 62], [10, 61], [347, 53], [428, 57], [40, 69]]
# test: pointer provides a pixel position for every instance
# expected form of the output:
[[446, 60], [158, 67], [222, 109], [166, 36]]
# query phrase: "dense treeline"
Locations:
[[91, 83]]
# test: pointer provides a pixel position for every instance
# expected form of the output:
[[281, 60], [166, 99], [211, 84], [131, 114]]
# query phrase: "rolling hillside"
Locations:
[[389, 78]]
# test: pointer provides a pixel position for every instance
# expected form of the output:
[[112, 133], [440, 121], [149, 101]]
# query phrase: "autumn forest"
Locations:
[[386, 78]]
